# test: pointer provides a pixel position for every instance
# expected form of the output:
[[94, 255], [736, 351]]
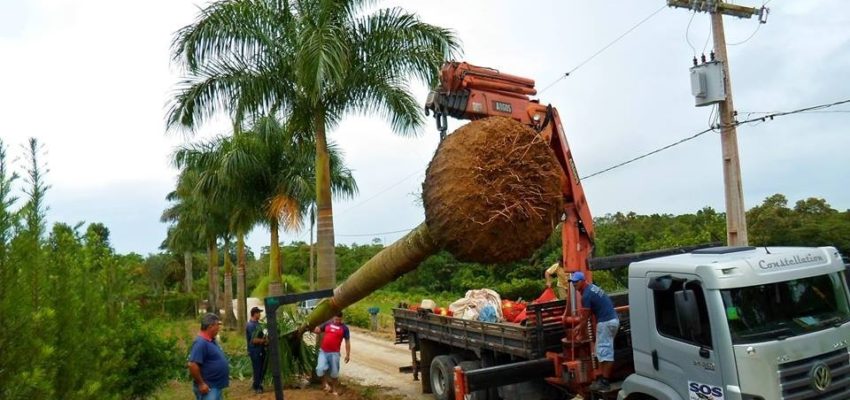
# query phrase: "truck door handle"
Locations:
[[655, 359], [704, 353]]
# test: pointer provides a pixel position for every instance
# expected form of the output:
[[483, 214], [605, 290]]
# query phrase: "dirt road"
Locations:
[[375, 361]]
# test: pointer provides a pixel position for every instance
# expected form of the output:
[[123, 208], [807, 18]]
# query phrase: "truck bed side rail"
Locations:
[[542, 331]]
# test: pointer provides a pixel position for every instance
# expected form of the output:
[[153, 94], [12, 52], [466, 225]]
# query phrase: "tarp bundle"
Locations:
[[474, 302]]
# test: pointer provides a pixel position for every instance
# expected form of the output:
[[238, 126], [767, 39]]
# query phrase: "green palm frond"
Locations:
[[245, 28], [297, 357]]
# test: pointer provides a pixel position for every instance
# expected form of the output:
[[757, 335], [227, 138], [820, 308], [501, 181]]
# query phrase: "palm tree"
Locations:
[[313, 62], [200, 220], [270, 166], [180, 239], [217, 206]]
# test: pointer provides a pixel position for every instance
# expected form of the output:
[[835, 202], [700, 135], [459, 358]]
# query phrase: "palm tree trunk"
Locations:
[[326, 261], [274, 259], [229, 318], [211, 273], [187, 271], [217, 282], [312, 278], [390, 263], [240, 281], [280, 266]]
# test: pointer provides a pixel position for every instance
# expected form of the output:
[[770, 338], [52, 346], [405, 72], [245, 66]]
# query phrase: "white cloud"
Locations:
[[91, 78]]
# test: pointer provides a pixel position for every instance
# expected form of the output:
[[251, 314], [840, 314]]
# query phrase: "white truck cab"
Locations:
[[740, 323]]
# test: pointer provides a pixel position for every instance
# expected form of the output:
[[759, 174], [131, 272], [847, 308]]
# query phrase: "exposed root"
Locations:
[[492, 192]]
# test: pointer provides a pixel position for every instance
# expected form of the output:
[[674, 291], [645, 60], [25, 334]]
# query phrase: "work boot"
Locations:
[[600, 385]]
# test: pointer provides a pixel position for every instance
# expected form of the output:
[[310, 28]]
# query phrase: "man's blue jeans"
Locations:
[[258, 363], [213, 394]]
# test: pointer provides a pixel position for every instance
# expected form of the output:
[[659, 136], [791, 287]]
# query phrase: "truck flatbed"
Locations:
[[541, 332]]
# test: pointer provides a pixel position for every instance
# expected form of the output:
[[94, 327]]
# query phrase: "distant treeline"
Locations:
[[809, 222]]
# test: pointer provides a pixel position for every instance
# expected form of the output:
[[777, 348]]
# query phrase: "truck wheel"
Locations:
[[442, 377]]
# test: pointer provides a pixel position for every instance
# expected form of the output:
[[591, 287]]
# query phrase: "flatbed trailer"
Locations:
[[439, 343]]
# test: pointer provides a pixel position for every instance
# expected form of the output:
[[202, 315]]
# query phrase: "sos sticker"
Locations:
[[702, 391]]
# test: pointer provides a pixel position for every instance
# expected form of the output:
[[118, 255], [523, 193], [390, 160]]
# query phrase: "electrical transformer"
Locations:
[[707, 83]]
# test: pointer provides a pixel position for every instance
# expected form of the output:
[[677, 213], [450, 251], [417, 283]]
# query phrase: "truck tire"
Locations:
[[442, 377]]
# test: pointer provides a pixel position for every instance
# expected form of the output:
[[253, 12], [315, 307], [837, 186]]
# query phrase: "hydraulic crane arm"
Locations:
[[471, 92]]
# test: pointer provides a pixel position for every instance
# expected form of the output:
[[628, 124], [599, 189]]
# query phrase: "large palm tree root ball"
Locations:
[[492, 191]]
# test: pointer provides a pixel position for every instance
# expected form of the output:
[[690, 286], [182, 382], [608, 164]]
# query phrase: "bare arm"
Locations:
[[580, 328], [347, 350], [195, 371]]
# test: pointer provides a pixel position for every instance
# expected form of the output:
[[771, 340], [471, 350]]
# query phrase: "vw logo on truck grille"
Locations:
[[821, 376]]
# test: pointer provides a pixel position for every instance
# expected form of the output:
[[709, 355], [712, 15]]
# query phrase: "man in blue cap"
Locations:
[[595, 300]]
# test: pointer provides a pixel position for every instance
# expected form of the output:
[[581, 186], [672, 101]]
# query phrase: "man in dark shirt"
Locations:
[[594, 300], [207, 362], [256, 348]]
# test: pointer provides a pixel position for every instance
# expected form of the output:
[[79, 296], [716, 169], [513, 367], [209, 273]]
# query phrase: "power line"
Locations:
[[581, 64], [698, 134], [748, 38], [402, 180], [687, 30], [770, 116], [807, 112], [374, 234]]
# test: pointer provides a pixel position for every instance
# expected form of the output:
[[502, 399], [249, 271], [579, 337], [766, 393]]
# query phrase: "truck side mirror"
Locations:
[[687, 312]]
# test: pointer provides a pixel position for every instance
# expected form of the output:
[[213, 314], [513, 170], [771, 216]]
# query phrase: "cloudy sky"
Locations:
[[91, 79]]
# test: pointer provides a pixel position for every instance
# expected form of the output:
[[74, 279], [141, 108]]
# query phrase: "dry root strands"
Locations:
[[492, 192]]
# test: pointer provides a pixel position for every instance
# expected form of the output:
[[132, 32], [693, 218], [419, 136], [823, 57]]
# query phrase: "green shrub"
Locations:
[[357, 316], [179, 305], [149, 359], [525, 288], [240, 366]]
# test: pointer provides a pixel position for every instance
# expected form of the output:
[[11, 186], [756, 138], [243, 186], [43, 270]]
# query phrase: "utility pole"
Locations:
[[736, 217]]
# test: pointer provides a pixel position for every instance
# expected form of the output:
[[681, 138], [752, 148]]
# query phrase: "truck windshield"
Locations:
[[785, 309]]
